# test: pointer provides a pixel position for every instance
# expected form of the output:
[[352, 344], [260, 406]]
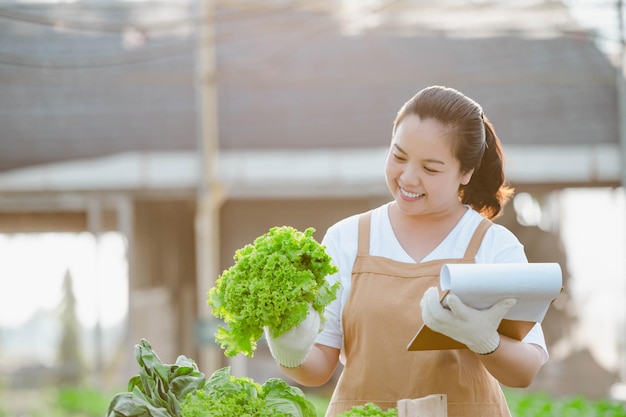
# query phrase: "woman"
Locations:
[[444, 170]]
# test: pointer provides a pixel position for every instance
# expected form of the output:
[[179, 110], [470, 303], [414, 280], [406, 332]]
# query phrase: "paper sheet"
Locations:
[[534, 285]]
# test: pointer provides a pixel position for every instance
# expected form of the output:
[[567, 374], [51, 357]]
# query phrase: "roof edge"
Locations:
[[283, 173]]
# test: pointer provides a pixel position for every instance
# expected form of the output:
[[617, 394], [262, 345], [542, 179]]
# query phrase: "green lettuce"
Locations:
[[158, 388], [271, 284], [181, 390], [226, 396], [369, 410]]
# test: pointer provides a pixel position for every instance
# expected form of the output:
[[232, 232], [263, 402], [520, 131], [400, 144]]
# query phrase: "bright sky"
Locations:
[[600, 16], [32, 267]]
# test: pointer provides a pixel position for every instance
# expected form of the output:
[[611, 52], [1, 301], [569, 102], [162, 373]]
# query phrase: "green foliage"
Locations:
[[320, 402], [81, 402], [180, 390], [369, 410], [523, 404], [159, 388], [225, 396], [54, 401], [271, 284]]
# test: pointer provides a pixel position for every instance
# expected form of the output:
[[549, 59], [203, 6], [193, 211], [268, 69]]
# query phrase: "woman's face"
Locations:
[[422, 173]]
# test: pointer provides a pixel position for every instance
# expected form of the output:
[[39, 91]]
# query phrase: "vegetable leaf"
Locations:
[[272, 284], [283, 398], [134, 404], [159, 388], [180, 390], [225, 396], [369, 410]]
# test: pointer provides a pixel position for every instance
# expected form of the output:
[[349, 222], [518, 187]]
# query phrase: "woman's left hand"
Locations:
[[477, 329]]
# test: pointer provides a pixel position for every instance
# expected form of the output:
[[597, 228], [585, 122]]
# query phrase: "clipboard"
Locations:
[[516, 325], [428, 339]]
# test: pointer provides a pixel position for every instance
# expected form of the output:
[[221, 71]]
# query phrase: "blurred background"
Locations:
[[143, 142]]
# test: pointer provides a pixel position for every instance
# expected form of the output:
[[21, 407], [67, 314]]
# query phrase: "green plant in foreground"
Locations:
[[159, 388], [272, 284], [369, 410], [180, 390], [226, 396]]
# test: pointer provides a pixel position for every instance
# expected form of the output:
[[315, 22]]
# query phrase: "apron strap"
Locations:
[[363, 248], [477, 240]]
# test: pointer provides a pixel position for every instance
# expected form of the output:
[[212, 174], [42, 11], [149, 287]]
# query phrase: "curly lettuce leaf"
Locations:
[[369, 410], [225, 395], [271, 284]]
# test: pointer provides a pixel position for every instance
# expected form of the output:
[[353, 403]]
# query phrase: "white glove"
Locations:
[[477, 329], [290, 348]]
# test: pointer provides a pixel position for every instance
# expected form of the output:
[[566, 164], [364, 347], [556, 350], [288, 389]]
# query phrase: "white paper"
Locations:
[[534, 285]]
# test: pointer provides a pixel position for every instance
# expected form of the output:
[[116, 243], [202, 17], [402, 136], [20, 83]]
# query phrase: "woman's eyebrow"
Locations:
[[434, 161], [395, 145]]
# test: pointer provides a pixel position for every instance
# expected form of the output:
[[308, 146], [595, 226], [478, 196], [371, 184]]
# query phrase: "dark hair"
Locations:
[[474, 144]]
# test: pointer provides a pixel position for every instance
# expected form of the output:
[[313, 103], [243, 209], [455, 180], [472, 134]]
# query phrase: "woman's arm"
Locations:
[[514, 363], [318, 367]]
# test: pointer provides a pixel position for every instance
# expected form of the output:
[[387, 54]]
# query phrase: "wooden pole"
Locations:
[[209, 196]]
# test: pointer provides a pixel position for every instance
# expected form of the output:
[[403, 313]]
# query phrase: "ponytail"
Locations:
[[487, 191]]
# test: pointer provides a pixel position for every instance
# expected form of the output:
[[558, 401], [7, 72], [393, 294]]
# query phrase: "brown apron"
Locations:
[[381, 316]]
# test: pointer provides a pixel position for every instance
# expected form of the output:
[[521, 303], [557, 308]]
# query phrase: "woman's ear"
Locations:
[[466, 177]]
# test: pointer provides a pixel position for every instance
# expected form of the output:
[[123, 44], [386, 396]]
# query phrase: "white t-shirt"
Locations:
[[498, 246]]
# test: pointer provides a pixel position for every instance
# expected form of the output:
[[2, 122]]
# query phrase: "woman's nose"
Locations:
[[411, 175]]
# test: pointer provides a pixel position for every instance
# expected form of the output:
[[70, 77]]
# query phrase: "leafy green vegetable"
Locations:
[[226, 396], [159, 388], [369, 410], [180, 390], [283, 398], [272, 283]]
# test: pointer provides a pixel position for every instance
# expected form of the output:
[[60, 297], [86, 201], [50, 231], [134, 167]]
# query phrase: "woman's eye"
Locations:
[[430, 170], [398, 157]]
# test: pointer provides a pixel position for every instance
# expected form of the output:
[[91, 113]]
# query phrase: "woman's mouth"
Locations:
[[411, 195]]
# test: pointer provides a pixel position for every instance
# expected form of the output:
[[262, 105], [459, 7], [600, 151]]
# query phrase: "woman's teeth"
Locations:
[[410, 195]]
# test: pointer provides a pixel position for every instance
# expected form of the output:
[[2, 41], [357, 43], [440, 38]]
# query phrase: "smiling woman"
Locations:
[[31, 277]]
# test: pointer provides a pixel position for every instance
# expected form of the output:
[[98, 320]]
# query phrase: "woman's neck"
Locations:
[[420, 235], [445, 220]]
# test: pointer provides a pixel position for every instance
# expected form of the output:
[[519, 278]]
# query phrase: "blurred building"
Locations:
[[193, 135]]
